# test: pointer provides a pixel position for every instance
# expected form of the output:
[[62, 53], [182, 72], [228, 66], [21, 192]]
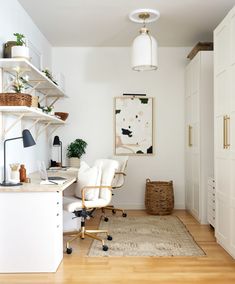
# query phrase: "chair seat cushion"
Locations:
[[72, 204]]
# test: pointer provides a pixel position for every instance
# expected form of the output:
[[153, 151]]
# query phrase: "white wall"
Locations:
[[94, 76], [13, 18]]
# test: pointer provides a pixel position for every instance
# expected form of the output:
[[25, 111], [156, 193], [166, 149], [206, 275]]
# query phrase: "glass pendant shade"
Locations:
[[144, 52]]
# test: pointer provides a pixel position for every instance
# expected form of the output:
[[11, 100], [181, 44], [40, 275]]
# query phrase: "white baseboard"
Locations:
[[132, 206]]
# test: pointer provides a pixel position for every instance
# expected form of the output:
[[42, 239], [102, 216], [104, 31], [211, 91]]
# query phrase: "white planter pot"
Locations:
[[19, 51], [74, 162]]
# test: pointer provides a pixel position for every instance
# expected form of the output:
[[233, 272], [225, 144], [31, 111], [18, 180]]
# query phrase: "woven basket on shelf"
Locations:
[[15, 99], [62, 115], [159, 197]]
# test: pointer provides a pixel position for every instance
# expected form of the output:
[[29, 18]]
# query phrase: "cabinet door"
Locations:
[[222, 46], [232, 37], [188, 182], [196, 185], [232, 160]]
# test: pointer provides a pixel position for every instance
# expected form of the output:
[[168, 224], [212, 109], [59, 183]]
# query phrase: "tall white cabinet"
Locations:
[[199, 133], [224, 105]]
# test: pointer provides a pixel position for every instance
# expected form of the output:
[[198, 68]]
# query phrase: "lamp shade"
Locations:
[[144, 52], [56, 141], [27, 138]]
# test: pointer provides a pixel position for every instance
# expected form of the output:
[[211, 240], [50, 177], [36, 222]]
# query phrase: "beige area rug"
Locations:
[[147, 236]]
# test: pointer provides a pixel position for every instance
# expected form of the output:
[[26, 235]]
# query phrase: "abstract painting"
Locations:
[[133, 125]]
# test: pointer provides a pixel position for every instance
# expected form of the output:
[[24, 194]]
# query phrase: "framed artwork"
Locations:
[[133, 125]]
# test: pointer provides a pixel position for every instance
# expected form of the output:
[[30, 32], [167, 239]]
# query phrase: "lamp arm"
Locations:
[[4, 149], [61, 154]]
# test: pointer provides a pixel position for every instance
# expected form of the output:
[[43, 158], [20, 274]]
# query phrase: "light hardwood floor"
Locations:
[[216, 267]]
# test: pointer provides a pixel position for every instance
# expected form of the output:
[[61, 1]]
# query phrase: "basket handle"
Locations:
[[148, 180]]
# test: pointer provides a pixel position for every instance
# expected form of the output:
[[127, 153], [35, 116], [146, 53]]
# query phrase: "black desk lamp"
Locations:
[[27, 142], [58, 143]]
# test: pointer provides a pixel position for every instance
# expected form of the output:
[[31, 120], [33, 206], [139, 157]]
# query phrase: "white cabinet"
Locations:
[[224, 105], [199, 133], [31, 237]]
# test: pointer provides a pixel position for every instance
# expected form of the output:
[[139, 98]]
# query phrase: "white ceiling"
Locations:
[[106, 23]]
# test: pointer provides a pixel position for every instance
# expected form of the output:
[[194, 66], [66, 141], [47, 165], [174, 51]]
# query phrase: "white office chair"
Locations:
[[117, 183], [94, 191]]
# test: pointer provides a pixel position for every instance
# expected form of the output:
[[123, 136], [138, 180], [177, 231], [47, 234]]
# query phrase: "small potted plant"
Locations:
[[17, 95], [48, 110], [74, 152], [49, 75], [20, 50]]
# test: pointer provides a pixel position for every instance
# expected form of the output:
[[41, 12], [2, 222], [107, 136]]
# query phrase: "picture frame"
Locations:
[[133, 125]]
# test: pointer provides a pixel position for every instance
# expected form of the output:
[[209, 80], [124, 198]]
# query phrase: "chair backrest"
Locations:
[[88, 176], [108, 168], [119, 179]]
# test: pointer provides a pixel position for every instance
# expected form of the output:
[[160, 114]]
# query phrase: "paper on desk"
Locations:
[[54, 182]]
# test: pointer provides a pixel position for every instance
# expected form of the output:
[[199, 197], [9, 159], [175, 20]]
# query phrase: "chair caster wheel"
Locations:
[[114, 211], [109, 238], [106, 219], [105, 248], [69, 250], [124, 215]]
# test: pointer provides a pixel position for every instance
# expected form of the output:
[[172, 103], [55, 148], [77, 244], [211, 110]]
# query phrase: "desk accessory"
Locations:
[[22, 171], [58, 143], [28, 141]]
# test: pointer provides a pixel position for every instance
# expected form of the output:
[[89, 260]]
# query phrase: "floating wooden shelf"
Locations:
[[32, 113], [37, 79], [23, 112]]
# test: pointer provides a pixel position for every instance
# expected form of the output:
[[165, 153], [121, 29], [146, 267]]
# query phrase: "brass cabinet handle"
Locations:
[[224, 132], [190, 144], [228, 132]]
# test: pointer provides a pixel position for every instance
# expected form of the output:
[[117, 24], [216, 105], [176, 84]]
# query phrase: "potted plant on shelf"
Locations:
[[17, 96], [49, 75], [74, 152], [20, 50]]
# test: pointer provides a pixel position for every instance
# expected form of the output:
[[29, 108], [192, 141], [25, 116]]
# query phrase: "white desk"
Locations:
[[31, 229]]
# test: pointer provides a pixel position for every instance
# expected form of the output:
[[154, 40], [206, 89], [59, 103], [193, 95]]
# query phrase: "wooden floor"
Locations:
[[216, 267]]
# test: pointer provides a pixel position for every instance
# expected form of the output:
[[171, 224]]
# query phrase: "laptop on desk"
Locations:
[[50, 179]]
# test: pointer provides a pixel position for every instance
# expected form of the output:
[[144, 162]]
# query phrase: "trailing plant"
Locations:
[[49, 75], [20, 39], [76, 149]]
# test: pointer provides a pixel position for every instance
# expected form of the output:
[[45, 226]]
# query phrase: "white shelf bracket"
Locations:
[[34, 123], [34, 87], [56, 126], [43, 98], [54, 101], [13, 124], [42, 129]]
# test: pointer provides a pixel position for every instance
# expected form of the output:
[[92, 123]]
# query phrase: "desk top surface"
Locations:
[[35, 186]]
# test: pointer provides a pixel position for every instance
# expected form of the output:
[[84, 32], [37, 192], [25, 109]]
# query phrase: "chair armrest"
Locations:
[[89, 187]]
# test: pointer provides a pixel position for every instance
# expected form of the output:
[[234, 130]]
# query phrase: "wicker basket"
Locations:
[[34, 102], [15, 99], [62, 115], [159, 197]]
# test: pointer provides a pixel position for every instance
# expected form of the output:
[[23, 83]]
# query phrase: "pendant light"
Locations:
[[144, 46]]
